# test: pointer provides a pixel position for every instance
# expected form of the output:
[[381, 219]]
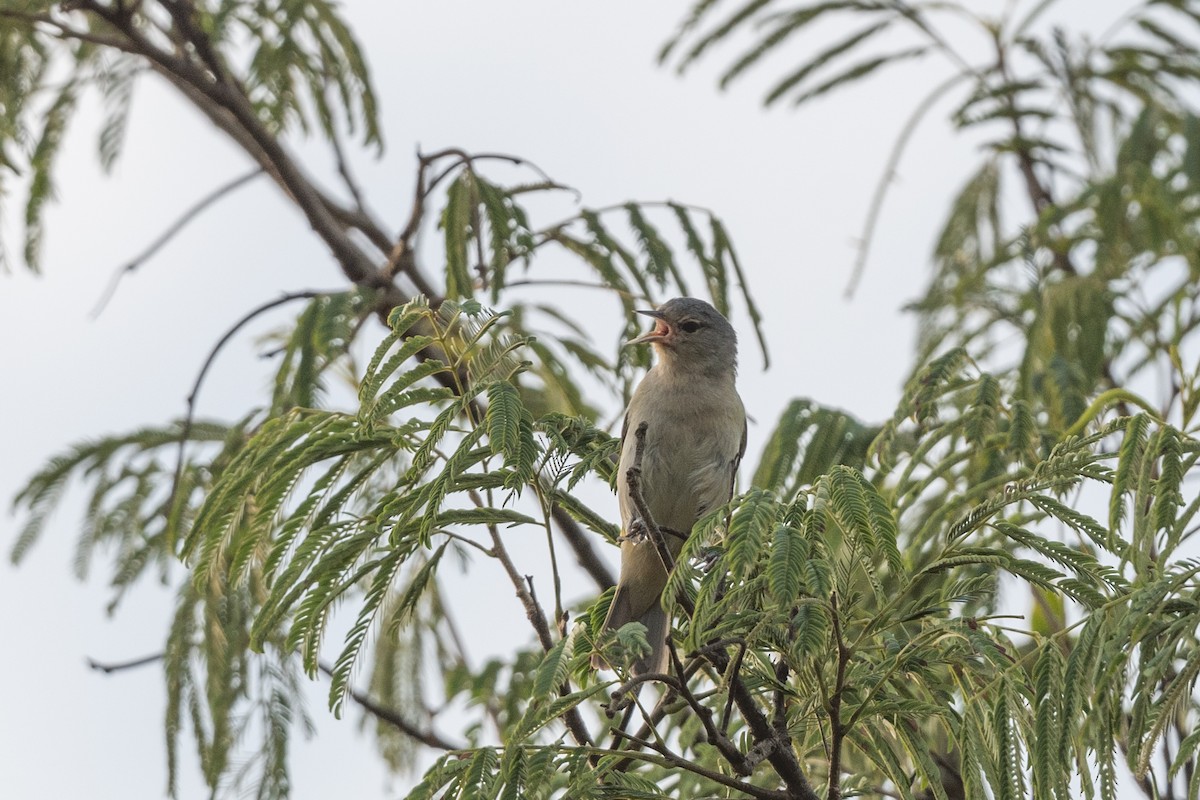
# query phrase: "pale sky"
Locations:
[[570, 86]]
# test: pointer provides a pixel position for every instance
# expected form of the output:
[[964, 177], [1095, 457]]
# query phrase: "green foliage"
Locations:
[[626, 250], [128, 509], [304, 69], [988, 594]]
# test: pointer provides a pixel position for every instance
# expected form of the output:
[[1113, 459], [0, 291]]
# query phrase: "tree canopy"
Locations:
[[991, 593]]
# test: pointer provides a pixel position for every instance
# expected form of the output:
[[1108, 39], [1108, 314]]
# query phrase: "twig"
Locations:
[[537, 618], [343, 168], [837, 729], [679, 761], [189, 418], [585, 554], [635, 681], [469, 158], [660, 710], [888, 176], [544, 502], [121, 666], [134, 263], [737, 668], [402, 255], [781, 754], [428, 738], [717, 737]]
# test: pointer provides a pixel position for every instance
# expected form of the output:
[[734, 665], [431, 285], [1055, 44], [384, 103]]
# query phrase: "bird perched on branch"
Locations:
[[694, 438]]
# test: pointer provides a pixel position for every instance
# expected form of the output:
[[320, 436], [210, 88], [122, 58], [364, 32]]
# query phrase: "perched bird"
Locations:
[[694, 441]]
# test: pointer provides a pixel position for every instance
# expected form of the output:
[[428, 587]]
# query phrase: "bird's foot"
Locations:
[[637, 533]]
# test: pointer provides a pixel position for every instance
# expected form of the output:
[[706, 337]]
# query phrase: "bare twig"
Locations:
[[121, 666], [427, 737], [189, 418], [463, 157], [579, 541], [717, 737], [889, 175], [737, 667], [679, 761], [627, 688], [775, 744], [343, 168], [544, 502], [665, 701], [836, 726], [134, 263], [537, 618], [402, 254]]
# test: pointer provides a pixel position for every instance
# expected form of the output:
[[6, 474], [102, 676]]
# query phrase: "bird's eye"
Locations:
[[691, 326]]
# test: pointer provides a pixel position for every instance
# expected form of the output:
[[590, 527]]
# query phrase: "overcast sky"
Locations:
[[571, 86]]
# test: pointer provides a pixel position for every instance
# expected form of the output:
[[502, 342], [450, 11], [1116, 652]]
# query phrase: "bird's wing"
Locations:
[[737, 461], [623, 501]]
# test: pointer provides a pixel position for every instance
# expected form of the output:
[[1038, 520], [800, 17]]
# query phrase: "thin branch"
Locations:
[[343, 168], [581, 543], [537, 618], [677, 686], [679, 761], [837, 728], [120, 666], [221, 97], [429, 738], [402, 254], [560, 616], [189, 418], [888, 176], [134, 263], [469, 158], [471, 542], [717, 737], [665, 701], [636, 681], [776, 745]]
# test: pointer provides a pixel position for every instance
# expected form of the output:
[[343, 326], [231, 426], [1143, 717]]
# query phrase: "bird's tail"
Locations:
[[658, 628]]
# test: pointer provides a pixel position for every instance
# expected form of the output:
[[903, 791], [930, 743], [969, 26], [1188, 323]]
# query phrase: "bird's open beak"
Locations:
[[659, 332]]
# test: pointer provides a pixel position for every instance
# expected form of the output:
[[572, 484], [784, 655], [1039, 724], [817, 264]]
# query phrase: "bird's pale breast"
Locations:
[[692, 442]]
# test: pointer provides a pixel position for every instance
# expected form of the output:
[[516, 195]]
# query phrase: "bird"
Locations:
[[695, 437]]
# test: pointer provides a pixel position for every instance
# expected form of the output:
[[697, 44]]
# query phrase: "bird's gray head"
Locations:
[[689, 335]]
